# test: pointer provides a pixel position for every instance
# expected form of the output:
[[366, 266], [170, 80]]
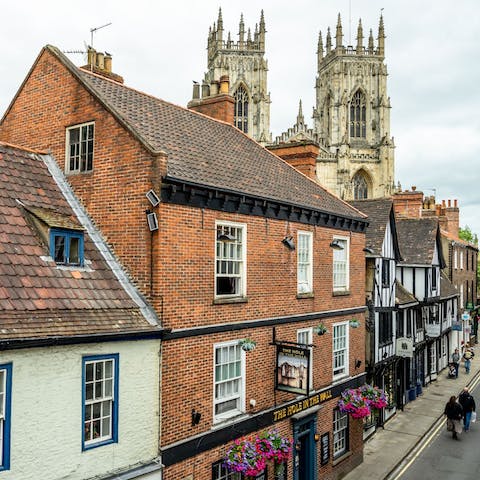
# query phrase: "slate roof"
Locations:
[[402, 296], [205, 151], [38, 299], [417, 238], [447, 288], [379, 212]]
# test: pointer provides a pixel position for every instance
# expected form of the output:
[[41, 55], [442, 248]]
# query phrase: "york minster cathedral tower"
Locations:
[[352, 116], [243, 62]]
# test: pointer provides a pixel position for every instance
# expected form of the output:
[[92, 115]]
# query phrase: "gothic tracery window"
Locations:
[[241, 109], [360, 186], [358, 116]]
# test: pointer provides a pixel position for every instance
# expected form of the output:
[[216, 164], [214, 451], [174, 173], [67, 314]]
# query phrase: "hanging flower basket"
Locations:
[[320, 329], [354, 323], [359, 402], [248, 345], [375, 396], [249, 456]]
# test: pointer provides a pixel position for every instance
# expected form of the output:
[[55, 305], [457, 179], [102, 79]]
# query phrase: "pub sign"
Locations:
[[292, 372]]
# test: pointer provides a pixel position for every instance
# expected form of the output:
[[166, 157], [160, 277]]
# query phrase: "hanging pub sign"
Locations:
[[293, 366], [404, 347], [457, 326], [432, 329]]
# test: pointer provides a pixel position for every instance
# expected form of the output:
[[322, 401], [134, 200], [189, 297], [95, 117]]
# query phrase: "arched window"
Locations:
[[358, 122], [360, 186], [241, 109]]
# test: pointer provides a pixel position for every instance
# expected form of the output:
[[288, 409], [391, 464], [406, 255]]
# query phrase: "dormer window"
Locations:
[[66, 247]]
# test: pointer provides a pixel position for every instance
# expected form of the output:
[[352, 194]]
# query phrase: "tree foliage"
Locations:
[[467, 235]]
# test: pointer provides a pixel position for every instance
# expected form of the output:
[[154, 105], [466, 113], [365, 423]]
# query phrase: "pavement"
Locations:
[[389, 448]]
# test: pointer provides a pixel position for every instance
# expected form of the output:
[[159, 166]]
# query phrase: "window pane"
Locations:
[[59, 249], [74, 253]]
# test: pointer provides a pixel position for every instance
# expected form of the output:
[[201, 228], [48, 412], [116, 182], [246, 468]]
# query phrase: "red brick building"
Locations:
[[228, 242]]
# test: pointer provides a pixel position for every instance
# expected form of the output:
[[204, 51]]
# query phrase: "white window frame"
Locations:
[[305, 336], [340, 433], [304, 262], [225, 251], [105, 396], [84, 148], [462, 304], [220, 472], [338, 348], [338, 264], [240, 396], [455, 259], [461, 260]]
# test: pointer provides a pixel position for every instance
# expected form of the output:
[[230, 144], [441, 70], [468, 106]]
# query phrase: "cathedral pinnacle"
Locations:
[[371, 47], [241, 32], [360, 38], [381, 37], [261, 33], [329, 40], [300, 117], [319, 49], [220, 29], [339, 33]]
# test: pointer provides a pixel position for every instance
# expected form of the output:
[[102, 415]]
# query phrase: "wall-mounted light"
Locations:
[[152, 220], [196, 416], [368, 250], [288, 242], [316, 437], [153, 198], [336, 245], [358, 364]]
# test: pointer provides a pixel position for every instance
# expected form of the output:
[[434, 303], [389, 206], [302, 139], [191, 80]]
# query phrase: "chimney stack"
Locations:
[[101, 64], [216, 102], [408, 204]]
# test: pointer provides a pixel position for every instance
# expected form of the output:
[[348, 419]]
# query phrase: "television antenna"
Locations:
[[95, 29]]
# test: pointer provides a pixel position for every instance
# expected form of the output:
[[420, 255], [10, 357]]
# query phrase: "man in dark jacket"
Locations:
[[468, 404]]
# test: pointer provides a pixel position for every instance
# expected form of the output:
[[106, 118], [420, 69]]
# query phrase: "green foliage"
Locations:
[[467, 235]]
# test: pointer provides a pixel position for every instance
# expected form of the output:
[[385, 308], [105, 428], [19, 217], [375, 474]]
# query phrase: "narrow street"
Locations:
[[444, 458]]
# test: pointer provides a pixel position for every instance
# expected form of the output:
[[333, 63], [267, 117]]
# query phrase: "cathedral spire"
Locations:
[[241, 33], [249, 38], [319, 49], [360, 38], [329, 40], [339, 34], [381, 37], [371, 46], [229, 41], [300, 117]]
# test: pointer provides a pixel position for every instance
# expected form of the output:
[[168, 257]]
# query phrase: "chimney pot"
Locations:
[[224, 83], [91, 56], [205, 90], [455, 203], [414, 188], [449, 203], [100, 61], [214, 87], [196, 91], [108, 63]]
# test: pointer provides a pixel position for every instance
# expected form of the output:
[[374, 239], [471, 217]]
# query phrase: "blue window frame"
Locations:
[[5, 414], [99, 400], [66, 246]]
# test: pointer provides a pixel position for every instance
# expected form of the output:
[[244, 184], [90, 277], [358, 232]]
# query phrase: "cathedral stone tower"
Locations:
[[244, 63], [352, 116]]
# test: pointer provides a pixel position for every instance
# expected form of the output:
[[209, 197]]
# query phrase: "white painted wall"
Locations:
[[46, 428]]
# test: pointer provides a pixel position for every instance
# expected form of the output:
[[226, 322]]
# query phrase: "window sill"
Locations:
[[222, 301], [305, 295], [341, 458], [340, 293]]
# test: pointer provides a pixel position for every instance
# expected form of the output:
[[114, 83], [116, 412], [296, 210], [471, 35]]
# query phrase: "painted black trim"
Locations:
[[182, 192], [268, 322], [214, 438], [19, 343]]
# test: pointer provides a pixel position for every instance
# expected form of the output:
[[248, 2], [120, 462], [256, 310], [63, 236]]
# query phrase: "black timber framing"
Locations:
[[200, 196]]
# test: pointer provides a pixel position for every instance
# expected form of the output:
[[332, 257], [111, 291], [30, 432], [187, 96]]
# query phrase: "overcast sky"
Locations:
[[432, 54]]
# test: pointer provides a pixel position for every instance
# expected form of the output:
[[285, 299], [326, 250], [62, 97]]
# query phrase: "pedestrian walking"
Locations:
[[454, 412], [468, 404], [456, 361], [467, 358]]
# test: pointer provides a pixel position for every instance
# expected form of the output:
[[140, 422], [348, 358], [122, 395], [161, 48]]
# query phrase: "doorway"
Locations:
[[305, 451]]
